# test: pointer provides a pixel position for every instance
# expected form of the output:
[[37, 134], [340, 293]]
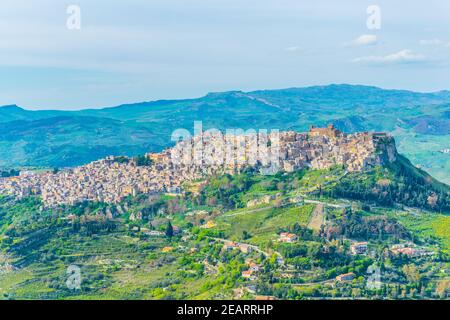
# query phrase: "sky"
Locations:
[[140, 50]]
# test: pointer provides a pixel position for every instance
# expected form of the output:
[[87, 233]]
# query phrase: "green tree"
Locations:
[[169, 230]]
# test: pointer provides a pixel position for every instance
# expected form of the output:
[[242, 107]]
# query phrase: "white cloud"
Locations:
[[431, 42], [403, 56], [363, 40], [435, 42], [295, 49]]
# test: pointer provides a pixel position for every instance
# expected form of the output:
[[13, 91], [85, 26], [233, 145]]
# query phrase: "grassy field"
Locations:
[[428, 225], [262, 224]]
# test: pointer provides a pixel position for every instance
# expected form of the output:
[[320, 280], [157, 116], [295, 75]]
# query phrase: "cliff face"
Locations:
[[386, 149], [356, 152], [288, 151]]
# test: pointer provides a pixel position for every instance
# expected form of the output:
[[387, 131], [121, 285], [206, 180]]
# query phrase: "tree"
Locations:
[[169, 230], [411, 273], [143, 160]]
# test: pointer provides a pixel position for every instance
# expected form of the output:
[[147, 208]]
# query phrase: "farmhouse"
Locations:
[[287, 237], [245, 248], [359, 248], [248, 274], [346, 277], [230, 246]]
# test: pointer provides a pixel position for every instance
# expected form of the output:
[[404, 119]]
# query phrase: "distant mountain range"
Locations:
[[419, 121]]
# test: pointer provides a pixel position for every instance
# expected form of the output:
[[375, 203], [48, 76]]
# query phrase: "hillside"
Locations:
[[397, 183], [65, 141], [418, 121], [235, 236]]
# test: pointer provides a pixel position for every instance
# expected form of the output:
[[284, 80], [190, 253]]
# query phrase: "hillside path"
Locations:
[[317, 218]]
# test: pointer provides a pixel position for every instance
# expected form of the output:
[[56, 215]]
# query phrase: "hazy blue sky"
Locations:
[[136, 50]]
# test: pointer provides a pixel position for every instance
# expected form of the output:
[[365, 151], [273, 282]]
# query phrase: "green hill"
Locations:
[[398, 183], [220, 235]]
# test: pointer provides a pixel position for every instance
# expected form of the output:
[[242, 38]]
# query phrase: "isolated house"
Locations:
[[346, 277], [248, 274], [287, 237], [359, 248]]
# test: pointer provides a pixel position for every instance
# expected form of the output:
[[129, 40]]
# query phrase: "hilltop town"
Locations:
[[110, 180]]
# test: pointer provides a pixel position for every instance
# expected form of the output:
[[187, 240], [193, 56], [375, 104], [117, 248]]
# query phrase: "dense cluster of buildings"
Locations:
[[106, 180], [109, 180], [322, 148]]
